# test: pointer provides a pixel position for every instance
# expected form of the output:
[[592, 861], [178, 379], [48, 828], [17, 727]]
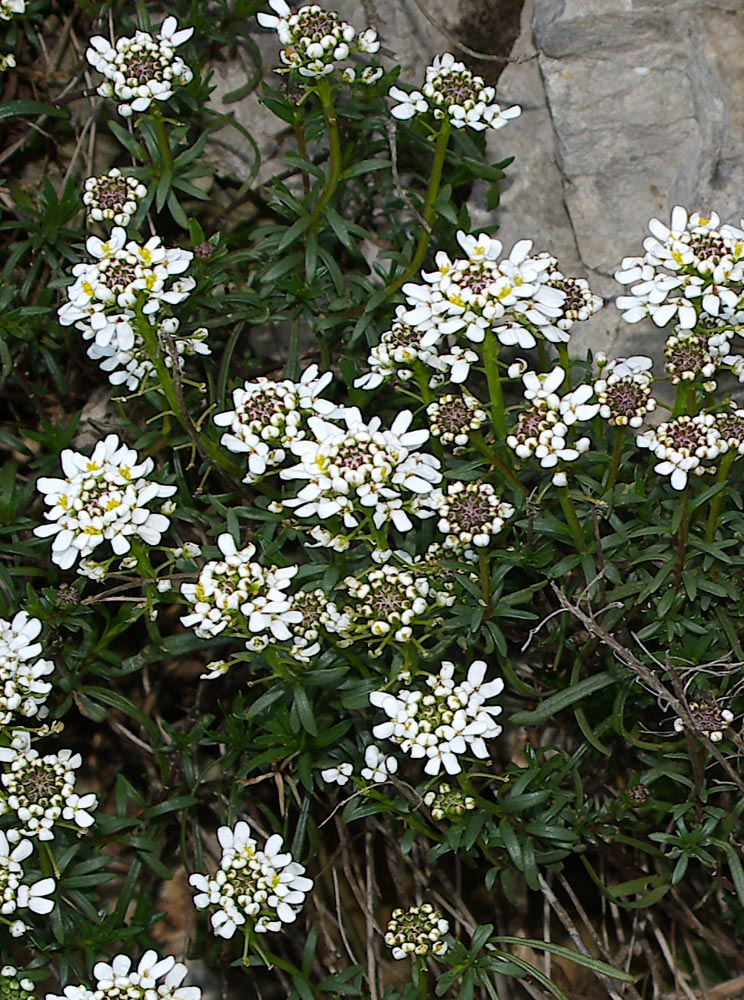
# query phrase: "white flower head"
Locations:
[[317, 41], [253, 889], [267, 416], [152, 977], [141, 69], [441, 720], [685, 446], [112, 197], [453, 92], [41, 791], [23, 672], [361, 468], [239, 596], [104, 497]]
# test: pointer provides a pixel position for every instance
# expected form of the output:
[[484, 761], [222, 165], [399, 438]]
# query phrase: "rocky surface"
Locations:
[[630, 107]]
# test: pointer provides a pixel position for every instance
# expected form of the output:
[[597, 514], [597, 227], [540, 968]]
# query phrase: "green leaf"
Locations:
[[601, 968], [29, 109], [562, 699]]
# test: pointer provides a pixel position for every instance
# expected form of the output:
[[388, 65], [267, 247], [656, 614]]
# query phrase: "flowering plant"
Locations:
[[383, 617]]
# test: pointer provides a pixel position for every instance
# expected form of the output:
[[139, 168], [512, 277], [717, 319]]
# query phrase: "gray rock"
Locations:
[[632, 110]]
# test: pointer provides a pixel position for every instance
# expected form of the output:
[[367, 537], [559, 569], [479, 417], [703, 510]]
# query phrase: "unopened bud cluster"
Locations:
[[419, 930]]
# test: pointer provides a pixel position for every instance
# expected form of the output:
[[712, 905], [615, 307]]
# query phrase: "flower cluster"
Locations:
[[319, 617], [708, 719], [452, 92], [391, 599], [119, 980], [238, 594], [124, 274], [444, 720], [400, 348], [542, 429], [141, 69], [14, 986], [623, 390], [112, 197], [15, 894], [453, 418], [691, 270], [516, 299], [256, 889], [23, 689], [362, 469], [469, 514], [41, 790], [268, 416], [316, 40], [132, 366], [104, 497], [419, 930], [683, 445], [446, 802]]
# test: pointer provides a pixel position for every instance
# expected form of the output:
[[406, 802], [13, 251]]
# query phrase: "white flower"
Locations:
[[238, 594], [14, 893], [41, 791], [267, 416], [104, 497], [451, 91], [122, 276], [389, 600], [132, 366], [338, 775], [379, 767], [696, 258], [516, 299], [445, 722], [453, 418], [23, 691], [141, 69], [399, 349], [9, 8], [252, 889], [316, 39], [112, 197], [118, 979], [469, 514], [361, 469], [543, 429], [683, 445]]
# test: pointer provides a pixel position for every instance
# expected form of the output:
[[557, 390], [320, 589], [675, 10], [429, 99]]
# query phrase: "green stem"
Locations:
[[423, 980], [208, 450], [485, 580], [565, 361], [293, 351], [717, 503], [684, 528], [164, 146], [569, 512], [435, 179], [299, 130], [617, 453], [325, 94], [495, 392], [477, 439]]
